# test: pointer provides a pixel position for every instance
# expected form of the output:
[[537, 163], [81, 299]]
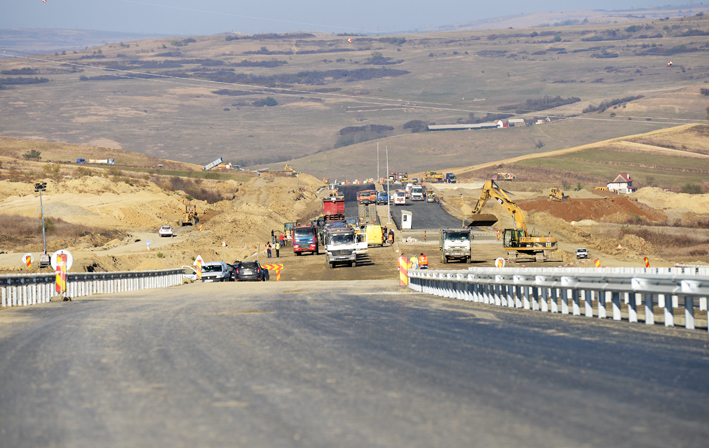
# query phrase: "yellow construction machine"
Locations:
[[518, 243], [432, 176], [557, 194], [190, 217]]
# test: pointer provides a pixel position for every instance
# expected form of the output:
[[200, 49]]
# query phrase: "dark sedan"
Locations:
[[250, 270]]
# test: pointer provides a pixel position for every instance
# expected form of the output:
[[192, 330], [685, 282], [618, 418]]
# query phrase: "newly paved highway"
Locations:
[[340, 364]]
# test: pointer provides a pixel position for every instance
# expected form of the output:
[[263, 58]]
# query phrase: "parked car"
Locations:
[[250, 270], [581, 253], [165, 231], [217, 271]]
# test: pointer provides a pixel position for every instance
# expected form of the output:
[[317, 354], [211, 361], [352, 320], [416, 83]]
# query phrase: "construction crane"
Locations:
[[517, 241]]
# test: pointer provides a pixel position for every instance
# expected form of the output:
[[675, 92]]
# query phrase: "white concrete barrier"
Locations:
[[549, 290]]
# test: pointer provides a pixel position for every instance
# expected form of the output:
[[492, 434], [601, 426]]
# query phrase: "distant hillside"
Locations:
[[577, 17], [270, 99], [42, 40]]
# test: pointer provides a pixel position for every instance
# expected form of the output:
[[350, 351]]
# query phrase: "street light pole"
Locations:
[[378, 176], [42, 186], [388, 196]]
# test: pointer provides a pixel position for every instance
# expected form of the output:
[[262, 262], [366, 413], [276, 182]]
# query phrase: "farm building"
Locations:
[[515, 122], [622, 184], [455, 127]]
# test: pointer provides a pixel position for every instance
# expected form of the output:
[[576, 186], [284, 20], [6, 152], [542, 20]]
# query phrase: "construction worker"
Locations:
[[414, 263], [423, 261], [278, 248]]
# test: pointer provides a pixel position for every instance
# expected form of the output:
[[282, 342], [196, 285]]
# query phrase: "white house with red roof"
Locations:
[[622, 184]]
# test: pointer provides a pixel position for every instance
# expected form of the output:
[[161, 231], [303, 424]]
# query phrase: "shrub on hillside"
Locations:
[[610, 103]]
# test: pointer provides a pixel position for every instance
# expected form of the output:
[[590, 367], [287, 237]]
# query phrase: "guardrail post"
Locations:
[[616, 305], [518, 296], [649, 311], [689, 312], [525, 297], [588, 302], [4, 297], [554, 299], [669, 312], [535, 298], [632, 307], [576, 303], [496, 292], [601, 304]]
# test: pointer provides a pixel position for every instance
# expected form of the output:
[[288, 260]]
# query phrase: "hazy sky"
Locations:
[[184, 17]]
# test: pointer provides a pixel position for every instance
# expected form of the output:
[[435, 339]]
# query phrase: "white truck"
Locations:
[[417, 193], [341, 247], [455, 245]]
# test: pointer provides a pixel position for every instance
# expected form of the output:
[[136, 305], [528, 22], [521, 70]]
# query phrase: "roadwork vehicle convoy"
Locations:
[[305, 239], [518, 243], [454, 244], [340, 247]]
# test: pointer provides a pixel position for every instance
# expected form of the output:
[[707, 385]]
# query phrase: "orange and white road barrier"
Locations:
[[403, 271], [61, 273]]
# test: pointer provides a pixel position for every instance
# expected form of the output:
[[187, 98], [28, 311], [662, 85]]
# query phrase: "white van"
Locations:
[[417, 193], [400, 197]]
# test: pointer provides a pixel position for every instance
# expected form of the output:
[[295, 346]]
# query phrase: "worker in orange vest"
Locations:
[[423, 261]]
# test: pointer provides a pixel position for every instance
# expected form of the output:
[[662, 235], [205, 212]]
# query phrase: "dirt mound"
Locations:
[[615, 209], [667, 200]]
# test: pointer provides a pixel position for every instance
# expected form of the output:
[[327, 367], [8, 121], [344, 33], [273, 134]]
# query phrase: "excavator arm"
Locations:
[[492, 190]]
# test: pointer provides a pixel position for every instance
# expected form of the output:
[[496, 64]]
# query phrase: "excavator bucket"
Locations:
[[483, 220]]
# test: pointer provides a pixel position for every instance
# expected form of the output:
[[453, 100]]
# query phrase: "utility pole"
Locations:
[[388, 197], [44, 258], [378, 176]]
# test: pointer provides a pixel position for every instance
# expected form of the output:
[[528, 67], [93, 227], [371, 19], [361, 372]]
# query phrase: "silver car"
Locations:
[[216, 271]]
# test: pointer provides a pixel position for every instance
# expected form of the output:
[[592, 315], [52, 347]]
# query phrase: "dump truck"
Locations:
[[189, 218], [432, 176], [454, 244], [518, 243], [305, 239], [340, 247], [333, 208]]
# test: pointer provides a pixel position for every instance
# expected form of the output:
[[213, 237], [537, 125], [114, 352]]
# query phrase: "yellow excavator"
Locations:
[[517, 242]]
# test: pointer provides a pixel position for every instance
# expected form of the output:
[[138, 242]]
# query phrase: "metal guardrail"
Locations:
[[31, 289], [550, 289]]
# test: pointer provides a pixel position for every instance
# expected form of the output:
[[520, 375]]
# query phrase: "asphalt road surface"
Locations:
[[340, 364], [428, 216]]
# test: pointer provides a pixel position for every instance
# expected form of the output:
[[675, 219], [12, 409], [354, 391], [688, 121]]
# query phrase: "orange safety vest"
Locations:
[[423, 260]]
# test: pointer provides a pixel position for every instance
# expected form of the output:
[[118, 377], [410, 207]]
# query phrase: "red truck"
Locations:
[[305, 239], [333, 209]]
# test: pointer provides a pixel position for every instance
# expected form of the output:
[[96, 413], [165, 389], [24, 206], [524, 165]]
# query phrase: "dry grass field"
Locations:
[[157, 96]]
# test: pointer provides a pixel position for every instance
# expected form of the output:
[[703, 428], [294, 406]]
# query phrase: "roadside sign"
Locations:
[[27, 260], [69, 259], [500, 262], [198, 262], [147, 243]]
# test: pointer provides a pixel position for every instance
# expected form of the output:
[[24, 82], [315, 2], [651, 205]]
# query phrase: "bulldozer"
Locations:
[[518, 243], [557, 194], [190, 217]]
